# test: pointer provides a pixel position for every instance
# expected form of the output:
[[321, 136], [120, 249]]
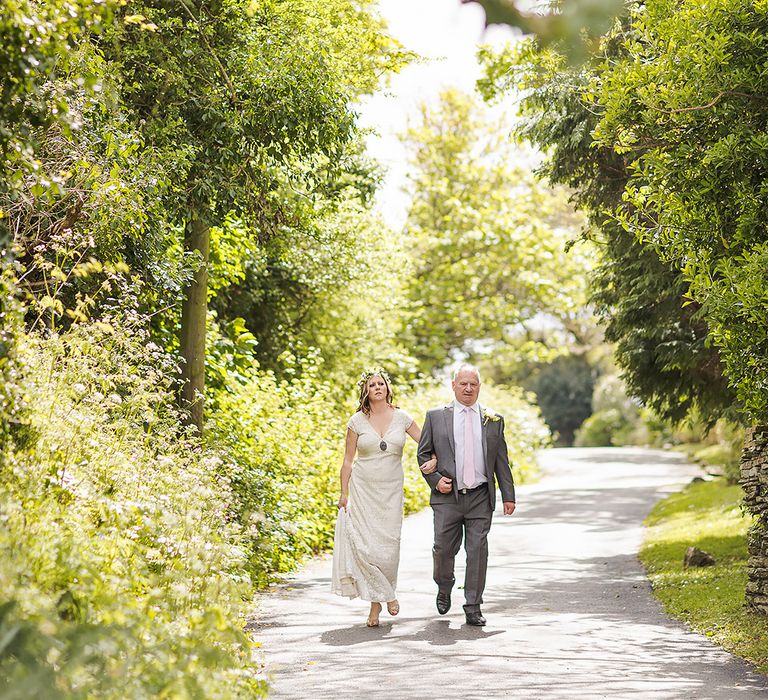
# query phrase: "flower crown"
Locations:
[[373, 372]]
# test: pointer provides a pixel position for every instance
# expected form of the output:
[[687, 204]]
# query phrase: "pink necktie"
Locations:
[[469, 450]]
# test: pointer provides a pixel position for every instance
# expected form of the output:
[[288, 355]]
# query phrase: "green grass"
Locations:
[[710, 599]]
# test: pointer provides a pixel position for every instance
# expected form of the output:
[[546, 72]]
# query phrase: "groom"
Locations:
[[471, 452]]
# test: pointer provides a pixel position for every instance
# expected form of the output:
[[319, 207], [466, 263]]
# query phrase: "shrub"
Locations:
[[282, 444], [601, 428], [618, 419], [120, 573]]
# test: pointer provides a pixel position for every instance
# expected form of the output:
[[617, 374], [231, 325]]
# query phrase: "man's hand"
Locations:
[[444, 485], [509, 507]]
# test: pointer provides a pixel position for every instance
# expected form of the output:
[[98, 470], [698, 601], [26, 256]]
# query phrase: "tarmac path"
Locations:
[[570, 612]]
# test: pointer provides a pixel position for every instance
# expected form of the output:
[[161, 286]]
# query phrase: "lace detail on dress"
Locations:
[[366, 550]]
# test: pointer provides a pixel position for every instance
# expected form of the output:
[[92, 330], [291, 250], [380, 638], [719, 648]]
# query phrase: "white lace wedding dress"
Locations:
[[366, 550]]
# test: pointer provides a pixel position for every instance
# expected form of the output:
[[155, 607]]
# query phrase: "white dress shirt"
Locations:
[[459, 415]]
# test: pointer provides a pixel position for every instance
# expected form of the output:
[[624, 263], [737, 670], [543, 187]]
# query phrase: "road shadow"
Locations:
[[355, 634], [435, 632]]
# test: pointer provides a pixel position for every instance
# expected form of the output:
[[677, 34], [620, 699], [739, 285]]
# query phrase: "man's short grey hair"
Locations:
[[464, 367]]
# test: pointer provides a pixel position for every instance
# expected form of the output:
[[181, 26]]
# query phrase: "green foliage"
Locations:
[[255, 94], [685, 105], [107, 211], [12, 404], [710, 599], [603, 428], [249, 104], [662, 343], [722, 456], [617, 420], [488, 241], [283, 445], [334, 291], [717, 449], [117, 555]]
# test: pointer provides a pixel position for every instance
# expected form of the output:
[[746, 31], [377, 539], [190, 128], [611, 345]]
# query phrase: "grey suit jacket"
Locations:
[[437, 438]]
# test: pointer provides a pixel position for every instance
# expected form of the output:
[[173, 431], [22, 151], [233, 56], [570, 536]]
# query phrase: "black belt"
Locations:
[[479, 486]]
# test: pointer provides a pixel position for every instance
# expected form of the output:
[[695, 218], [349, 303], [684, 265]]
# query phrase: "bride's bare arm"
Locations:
[[350, 447], [415, 432]]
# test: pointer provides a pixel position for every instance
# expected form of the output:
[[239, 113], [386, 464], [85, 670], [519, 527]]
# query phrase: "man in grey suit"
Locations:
[[471, 457]]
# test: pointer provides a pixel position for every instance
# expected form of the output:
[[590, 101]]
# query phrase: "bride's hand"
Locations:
[[429, 466], [342, 502]]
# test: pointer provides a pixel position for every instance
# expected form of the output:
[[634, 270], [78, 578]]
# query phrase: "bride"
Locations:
[[366, 550]]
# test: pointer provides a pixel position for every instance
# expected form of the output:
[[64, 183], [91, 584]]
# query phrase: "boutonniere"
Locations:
[[490, 415]]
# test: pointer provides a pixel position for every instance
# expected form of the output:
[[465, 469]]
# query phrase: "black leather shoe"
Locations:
[[443, 602], [476, 619]]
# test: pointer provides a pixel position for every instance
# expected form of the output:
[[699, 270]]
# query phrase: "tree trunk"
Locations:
[[194, 311], [754, 481]]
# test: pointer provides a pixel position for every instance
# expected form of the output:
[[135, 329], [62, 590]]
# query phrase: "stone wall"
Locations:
[[754, 481]]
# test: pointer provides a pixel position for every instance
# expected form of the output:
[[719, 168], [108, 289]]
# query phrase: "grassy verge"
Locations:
[[711, 599]]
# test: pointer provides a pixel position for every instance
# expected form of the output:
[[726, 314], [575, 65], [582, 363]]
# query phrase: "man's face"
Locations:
[[466, 387]]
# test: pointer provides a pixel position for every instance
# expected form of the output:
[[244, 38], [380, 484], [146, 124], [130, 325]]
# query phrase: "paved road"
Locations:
[[570, 613]]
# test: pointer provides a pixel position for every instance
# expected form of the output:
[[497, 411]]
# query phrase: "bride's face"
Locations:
[[377, 389]]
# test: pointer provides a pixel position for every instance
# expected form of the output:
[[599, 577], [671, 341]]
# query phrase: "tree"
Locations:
[[254, 100], [662, 344], [488, 241], [692, 121], [686, 107], [333, 294]]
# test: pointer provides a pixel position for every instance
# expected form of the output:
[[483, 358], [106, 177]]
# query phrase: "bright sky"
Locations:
[[446, 33]]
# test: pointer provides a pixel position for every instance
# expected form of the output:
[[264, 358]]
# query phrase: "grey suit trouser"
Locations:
[[470, 520]]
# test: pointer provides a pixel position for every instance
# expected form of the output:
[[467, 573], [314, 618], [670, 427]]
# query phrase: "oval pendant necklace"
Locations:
[[383, 445]]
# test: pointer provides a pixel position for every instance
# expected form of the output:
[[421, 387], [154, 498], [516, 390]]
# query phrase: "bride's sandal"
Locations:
[[373, 618], [393, 607]]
